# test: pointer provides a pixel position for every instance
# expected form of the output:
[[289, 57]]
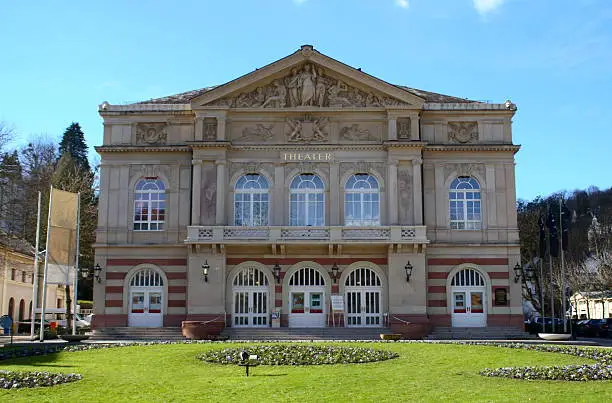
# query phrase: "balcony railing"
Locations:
[[276, 234]]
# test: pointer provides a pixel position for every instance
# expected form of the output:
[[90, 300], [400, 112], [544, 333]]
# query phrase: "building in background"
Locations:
[[299, 181], [592, 305], [17, 280]]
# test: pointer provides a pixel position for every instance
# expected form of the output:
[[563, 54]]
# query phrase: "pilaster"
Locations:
[[196, 186], [392, 193], [279, 204], [334, 194], [220, 208], [417, 189]]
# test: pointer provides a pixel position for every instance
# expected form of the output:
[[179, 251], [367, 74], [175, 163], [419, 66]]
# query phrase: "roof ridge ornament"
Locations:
[[307, 50]]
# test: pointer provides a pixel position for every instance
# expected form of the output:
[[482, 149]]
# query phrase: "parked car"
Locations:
[[594, 327], [540, 324]]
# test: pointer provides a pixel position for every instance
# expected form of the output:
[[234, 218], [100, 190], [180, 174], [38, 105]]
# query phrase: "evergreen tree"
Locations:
[[73, 143], [11, 194]]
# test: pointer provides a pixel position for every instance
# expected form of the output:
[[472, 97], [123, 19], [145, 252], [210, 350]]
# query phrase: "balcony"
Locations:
[[291, 234]]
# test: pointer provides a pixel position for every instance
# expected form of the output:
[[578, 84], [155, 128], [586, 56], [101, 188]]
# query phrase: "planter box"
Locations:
[[197, 330], [411, 331], [74, 338]]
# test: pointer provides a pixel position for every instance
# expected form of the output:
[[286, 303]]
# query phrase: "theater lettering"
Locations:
[[307, 156]]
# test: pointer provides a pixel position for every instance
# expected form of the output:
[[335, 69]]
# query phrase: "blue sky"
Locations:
[[553, 58]]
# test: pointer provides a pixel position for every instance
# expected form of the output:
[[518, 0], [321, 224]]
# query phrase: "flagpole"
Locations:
[[563, 303], [550, 270], [542, 293], [44, 297], [35, 274], [76, 265]]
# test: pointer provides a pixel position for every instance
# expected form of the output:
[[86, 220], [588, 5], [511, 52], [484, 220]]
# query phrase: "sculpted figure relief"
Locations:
[[462, 132], [259, 132], [307, 86], [353, 132], [307, 130], [152, 133]]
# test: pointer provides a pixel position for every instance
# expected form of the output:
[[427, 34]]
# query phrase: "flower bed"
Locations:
[[299, 354], [601, 370], [19, 379]]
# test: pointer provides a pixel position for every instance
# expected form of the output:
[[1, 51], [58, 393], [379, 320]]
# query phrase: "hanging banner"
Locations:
[[62, 237]]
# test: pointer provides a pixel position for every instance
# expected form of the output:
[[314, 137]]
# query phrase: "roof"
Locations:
[[186, 97], [16, 244]]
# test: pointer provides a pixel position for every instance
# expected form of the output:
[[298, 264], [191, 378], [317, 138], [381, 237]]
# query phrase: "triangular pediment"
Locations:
[[307, 79]]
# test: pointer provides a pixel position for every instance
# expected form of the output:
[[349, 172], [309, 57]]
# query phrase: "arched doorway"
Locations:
[[21, 315], [307, 298], [251, 298], [468, 293], [363, 293], [146, 296], [11, 311]]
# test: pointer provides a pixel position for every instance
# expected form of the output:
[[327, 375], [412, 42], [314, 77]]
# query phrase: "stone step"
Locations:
[[305, 333], [476, 333]]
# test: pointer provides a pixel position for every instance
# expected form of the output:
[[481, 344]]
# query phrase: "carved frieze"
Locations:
[[151, 133], [467, 169], [404, 129], [354, 133], [307, 130], [362, 167], [405, 194], [306, 86], [251, 167], [462, 132], [257, 133], [210, 129]]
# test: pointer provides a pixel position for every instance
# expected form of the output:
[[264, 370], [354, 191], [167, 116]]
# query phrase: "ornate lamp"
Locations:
[[334, 273], [205, 268], [408, 269], [277, 272], [529, 273], [518, 272], [97, 270]]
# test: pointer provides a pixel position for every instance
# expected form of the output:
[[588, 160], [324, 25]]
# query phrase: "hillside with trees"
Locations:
[[586, 250], [34, 168]]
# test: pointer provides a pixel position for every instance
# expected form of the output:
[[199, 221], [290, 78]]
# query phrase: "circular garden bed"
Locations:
[[22, 379], [298, 354]]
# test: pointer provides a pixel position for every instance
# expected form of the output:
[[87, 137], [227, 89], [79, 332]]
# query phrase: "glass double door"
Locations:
[[469, 308], [363, 308], [146, 307], [251, 309], [307, 308]]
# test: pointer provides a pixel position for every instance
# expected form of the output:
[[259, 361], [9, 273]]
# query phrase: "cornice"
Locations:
[[105, 108], [469, 106], [473, 147], [404, 144], [196, 145], [131, 149], [310, 147]]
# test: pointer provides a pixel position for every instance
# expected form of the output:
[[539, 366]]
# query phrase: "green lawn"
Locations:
[[423, 372]]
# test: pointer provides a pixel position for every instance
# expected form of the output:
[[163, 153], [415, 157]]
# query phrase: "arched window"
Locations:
[[468, 278], [146, 278], [251, 200], [11, 308], [307, 203], [21, 310], [149, 205], [464, 199], [361, 200]]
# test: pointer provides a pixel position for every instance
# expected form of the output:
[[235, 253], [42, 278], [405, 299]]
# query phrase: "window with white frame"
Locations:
[[251, 200], [307, 201], [149, 205], [464, 199], [361, 201]]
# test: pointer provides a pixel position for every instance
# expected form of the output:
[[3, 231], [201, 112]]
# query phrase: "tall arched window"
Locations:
[[307, 203], [149, 205], [464, 199], [361, 200], [251, 200]]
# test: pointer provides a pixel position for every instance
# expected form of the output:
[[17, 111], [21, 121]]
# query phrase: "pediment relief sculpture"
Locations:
[[151, 133], [404, 129], [462, 132], [307, 86], [354, 133], [307, 130]]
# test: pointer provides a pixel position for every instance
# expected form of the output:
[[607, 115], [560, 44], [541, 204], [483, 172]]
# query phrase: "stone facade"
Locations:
[[308, 114]]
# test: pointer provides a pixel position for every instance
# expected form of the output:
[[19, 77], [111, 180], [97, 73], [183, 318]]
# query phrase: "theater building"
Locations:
[[257, 201]]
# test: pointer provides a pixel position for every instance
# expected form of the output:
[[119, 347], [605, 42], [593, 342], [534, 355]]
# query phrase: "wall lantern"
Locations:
[[86, 272], [205, 268], [408, 269], [518, 272], [334, 273], [277, 271]]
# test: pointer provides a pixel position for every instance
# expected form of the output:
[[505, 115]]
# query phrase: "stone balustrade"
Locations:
[[278, 234]]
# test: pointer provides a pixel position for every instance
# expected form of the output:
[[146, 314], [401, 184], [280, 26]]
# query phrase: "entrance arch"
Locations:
[[363, 290], [146, 298], [250, 297], [307, 297], [468, 292]]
